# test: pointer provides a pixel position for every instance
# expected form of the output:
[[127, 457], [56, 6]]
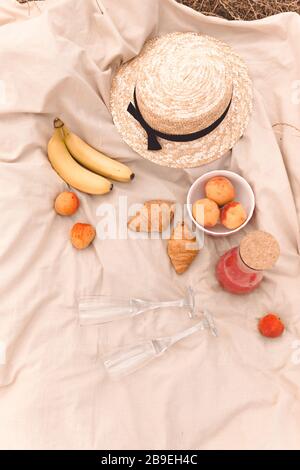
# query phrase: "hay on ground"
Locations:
[[242, 9]]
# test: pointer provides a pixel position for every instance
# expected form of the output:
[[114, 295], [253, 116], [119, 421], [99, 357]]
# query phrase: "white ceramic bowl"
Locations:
[[244, 195]]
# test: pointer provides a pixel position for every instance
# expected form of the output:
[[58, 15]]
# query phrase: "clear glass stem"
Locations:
[[166, 304]]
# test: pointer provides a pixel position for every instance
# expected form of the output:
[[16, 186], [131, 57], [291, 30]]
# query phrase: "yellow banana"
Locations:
[[93, 159], [71, 172]]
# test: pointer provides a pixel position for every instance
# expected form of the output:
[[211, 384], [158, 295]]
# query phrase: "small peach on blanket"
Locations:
[[66, 203], [82, 235]]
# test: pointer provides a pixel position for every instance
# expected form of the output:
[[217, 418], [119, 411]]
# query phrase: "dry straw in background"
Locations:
[[242, 9]]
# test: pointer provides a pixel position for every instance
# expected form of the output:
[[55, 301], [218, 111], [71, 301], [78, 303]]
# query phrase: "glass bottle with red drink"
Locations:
[[240, 270]]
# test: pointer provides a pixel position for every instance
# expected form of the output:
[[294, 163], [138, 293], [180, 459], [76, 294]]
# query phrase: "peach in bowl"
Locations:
[[227, 191]]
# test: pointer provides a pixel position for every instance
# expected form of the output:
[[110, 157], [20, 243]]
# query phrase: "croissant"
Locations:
[[155, 216], [182, 248]]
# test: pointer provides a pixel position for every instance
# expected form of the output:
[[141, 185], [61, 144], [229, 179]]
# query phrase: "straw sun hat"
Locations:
[[184, 101]]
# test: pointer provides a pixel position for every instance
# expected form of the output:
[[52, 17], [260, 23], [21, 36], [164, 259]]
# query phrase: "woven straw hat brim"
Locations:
[[183, 154]]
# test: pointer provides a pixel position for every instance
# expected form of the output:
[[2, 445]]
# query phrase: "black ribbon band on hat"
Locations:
[[152, 134]]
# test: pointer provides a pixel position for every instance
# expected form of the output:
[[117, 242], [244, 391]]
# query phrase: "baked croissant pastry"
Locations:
[[182, 248], [155, 216]]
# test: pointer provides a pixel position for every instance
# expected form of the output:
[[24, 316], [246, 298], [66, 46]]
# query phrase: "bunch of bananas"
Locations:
[[80, 165]]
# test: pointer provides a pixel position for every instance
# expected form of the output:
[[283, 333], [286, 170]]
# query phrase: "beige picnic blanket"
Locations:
[[239, 391]]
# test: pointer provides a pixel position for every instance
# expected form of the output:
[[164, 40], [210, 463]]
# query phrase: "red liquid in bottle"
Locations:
[[234, 275]]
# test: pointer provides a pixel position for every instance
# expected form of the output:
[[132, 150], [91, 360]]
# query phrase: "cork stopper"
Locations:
[[259, 250]]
